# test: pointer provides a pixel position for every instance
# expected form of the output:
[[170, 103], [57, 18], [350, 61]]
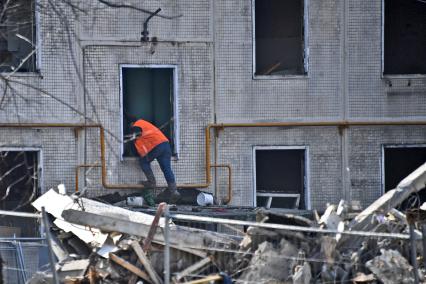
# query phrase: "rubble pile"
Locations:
[[280, 256], [99, 243], [94, 242]]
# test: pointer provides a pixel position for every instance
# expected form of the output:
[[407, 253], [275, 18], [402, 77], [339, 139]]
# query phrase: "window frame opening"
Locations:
[[174, 116], [303, 47], [384, 73], [383, 161], [29, 44], [296, 198], [37, 187]]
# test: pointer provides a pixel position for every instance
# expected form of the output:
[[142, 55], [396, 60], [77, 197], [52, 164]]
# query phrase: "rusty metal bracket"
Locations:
[[147, 242]]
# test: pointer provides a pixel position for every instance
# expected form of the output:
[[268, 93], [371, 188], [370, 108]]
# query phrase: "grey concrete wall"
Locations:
[[211, 44], [194, 74], [370, 94]]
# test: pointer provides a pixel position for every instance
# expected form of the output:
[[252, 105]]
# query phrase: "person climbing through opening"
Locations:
[[151, 144]]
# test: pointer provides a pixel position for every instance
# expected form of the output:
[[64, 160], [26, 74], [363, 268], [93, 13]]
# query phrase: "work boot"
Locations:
[[174, 195], [148, 197], [150, 182], [147, 193]]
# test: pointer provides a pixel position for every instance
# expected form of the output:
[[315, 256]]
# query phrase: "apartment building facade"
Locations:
[[309, 102]]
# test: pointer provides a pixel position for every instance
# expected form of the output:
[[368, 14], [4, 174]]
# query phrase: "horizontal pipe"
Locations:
[[20, 214], [49, 125], [342, 123], [207, 136], [20, 239], [215, 220]]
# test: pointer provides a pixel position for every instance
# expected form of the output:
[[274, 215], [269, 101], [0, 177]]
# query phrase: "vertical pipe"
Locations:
[[208, 177], [413, 253], [49, 244], [103, 158], [167, 246], [344, 103], [346, 194], [216, 189], [424, 244]]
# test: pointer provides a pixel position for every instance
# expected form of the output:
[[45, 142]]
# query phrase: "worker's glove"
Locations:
[[135, 133]]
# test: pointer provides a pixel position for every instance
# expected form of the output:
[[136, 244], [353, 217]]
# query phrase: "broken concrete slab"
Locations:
[[55, 203], [302, 274], [391, 267], [179, 235], [271, 263], [73, 270], [411, 184]]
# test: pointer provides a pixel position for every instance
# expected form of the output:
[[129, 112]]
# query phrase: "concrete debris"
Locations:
[[271, 263], [302, 274], [74, 270], [391, 267], [101, 243], [330, 218], [364, 278]]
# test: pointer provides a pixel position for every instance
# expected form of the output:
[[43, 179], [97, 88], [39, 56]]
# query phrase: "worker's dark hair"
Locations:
[[130, 118], [136, 130]]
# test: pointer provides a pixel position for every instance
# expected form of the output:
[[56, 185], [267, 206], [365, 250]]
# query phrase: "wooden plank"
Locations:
[[146, 263], [148, 240], [192, 268], [271, 69], [196, 252], [207, 279], [130, 267], [154, 225]]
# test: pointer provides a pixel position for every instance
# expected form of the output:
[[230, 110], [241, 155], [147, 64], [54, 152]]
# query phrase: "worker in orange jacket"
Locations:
[[151, 144]]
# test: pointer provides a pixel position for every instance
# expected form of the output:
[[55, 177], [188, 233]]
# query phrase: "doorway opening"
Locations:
[[149, 93]]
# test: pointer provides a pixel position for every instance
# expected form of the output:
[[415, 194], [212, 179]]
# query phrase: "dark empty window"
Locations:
[[280, 178], [405, 37], [17, 36], [148, 93], [19, 187], [279, 37], [399, 162]]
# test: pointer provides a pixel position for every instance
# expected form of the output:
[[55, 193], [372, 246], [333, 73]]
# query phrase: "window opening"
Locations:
[[19, 186], [279, 37], [280, 178], [404, 37], [148, 93], [17, 36], [399, 162]]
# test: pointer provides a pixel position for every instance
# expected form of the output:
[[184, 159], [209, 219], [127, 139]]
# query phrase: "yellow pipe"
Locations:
[[290, 124], [207, 145]]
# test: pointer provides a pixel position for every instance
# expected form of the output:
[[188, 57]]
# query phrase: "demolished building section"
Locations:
[[266, 103], [119, 245]]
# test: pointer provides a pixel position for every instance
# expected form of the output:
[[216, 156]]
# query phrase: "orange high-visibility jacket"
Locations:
[[151, 137]]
